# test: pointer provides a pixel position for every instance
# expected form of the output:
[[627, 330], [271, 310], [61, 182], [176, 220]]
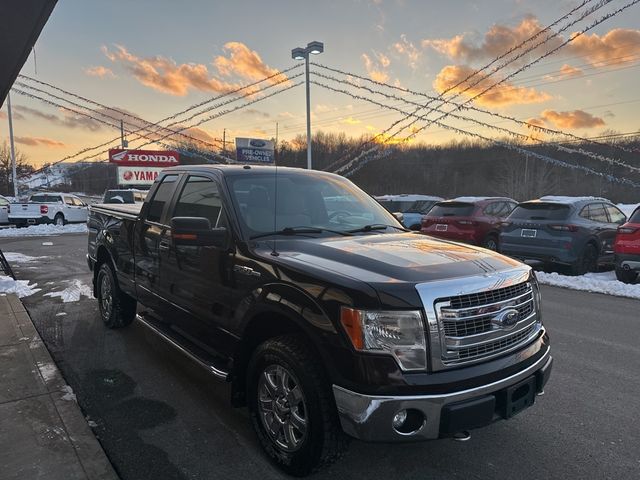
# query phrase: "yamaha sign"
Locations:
[[141, 167]]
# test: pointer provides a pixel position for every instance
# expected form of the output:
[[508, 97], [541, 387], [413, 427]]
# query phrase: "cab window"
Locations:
[[160, 199], [199, 198]]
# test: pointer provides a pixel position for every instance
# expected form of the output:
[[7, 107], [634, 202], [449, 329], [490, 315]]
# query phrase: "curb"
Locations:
[[88, 451]]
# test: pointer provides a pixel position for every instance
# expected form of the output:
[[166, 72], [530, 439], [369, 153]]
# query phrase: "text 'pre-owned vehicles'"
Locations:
[[573, 231], [327, 316], [56, 208], [474, 220], [412, 207], [627, 249]]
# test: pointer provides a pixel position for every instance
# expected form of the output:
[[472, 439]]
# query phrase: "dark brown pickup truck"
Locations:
[[329, 318]]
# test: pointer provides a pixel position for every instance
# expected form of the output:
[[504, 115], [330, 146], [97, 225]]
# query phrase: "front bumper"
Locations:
[[369, 418]]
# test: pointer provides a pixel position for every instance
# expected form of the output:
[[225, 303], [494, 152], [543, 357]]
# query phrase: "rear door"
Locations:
[[197, 279], [150, 241], [616, 218]]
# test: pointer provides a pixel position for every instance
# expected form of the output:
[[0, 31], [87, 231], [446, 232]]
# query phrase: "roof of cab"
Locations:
[[237, 169]]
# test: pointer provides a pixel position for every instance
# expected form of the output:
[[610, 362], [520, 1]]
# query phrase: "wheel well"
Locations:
[[261, 328], [593, 242]]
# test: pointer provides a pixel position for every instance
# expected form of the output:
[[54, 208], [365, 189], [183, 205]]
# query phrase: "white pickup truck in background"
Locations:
[[56, 208]]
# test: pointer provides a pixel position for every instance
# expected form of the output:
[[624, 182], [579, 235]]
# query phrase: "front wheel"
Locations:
[[117, 309], [292, 407]]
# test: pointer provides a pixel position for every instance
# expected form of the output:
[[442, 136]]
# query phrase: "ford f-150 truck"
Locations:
[[329, 319]]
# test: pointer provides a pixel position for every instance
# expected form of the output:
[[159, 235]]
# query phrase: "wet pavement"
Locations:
[[158, 415]]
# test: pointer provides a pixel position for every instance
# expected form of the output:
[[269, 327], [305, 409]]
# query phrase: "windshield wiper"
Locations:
[[376, 226], [299, 230]]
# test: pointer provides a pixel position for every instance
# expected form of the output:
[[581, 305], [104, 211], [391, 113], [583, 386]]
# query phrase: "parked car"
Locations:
[[328, 318], [56, 208], [474, 220], [627, 249], [412, 207], [573, 231], [124, 196], [4, 210]]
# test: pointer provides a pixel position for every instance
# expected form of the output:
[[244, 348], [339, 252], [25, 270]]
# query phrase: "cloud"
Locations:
[[257, 113], [67, 120], [244, 62], [39, 142], [286, 115], [502, 95], [165, 75], [566, 71], [15, 115], [375, 69], [99, 71], [614, 48], [571, 120], [406, 48], [350, 121]]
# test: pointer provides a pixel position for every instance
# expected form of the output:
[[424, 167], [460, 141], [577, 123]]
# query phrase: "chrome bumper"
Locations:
[[369, 417]]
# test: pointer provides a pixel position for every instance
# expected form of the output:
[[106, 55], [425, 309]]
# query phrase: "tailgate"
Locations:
[[25, 210]]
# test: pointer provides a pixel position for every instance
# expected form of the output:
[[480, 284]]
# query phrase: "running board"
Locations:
[[208, 365]]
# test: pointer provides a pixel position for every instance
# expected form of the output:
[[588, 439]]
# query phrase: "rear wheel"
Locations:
[[626, 276], [59, 220], [117, 309], [588, 261], [292, 408], [491, 242]]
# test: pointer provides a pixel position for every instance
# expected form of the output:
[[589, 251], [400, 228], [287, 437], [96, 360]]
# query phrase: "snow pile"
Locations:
[[43, 230], [13, 257], [628, 208], [73, 292], [20, 287], [69, 396], [604, 282]]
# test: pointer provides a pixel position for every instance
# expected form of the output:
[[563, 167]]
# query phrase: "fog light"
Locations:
[[399, 419]]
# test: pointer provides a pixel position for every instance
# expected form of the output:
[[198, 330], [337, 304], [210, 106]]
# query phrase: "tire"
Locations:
[[491, 243], [278, 369], [588, 261], [626, 276], [117, 309], [59, 220]]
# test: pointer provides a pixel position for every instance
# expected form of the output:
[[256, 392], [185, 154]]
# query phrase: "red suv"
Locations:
[[474, 220], [627, 249]]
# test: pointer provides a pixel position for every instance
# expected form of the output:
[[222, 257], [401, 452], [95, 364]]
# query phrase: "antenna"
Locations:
[[275, 209]]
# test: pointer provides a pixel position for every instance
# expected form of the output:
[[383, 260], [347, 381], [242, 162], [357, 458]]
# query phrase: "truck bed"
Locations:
[[127, 210]]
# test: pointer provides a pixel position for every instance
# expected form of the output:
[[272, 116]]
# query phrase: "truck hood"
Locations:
[[392, 258]]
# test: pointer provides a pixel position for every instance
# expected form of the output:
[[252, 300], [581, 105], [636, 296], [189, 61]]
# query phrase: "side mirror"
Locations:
[[399, 216], [196, 231]]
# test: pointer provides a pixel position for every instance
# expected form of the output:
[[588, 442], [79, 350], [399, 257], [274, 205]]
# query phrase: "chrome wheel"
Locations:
[[282, 408], [106, 296]]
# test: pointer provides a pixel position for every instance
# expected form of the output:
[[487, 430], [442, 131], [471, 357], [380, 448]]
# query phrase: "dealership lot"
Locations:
[[158, 415]]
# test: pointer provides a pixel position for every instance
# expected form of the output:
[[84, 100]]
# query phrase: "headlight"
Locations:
[[536, 294], [399, 333]]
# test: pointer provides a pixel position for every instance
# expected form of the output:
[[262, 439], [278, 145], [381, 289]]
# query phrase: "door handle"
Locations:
[[164, 245]]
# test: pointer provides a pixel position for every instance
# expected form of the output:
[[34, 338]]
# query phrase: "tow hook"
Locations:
[[462, 436]]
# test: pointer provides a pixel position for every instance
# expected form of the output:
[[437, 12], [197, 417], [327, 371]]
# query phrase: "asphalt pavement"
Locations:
[[158, 415]]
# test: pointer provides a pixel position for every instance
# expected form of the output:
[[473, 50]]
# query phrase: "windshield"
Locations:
[[540, 211], [303, 200]]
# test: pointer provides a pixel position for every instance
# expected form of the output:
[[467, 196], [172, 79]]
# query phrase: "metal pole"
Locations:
[[224, 141], [121, 134], [306, 62], [13, 150]]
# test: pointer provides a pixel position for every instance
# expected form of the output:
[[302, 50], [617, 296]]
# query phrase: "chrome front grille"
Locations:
[[472, 326]]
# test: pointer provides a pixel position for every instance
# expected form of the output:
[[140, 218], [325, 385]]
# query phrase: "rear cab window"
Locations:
[[199, 197], [452, 209], [540, 211], [68, 200], [161, 197]]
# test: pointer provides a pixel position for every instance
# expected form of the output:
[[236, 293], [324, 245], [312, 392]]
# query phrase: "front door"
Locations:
[[196, 278]]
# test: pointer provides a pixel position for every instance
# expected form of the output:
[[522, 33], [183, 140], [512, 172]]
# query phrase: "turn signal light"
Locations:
[[350, 319]]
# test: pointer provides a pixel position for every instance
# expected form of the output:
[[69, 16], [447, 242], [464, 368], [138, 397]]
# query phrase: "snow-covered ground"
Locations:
[[604, 282], [43, 230], [21, 288], [73, 292]]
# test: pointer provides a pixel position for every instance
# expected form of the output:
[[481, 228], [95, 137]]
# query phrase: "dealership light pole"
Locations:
[[303, 54], [13, 150]]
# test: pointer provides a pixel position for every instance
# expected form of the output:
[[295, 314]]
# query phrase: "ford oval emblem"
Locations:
[[507, 319], [257, 143]]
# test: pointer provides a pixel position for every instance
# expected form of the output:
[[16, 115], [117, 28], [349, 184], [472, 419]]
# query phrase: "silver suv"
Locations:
[[573, 231]]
